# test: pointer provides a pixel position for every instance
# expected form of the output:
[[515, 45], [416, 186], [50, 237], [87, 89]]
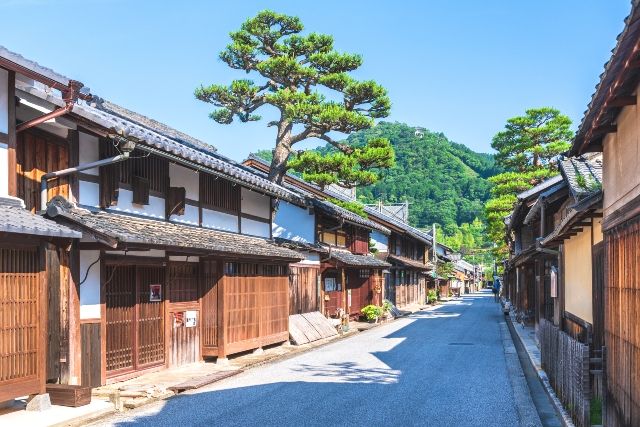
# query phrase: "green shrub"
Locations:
[[372, 312], [432, 296], [386, 306]]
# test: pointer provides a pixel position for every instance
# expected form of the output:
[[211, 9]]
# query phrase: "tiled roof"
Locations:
[[540, 187], [352, 260], [14, 218], [152, 136], [407, 262], [607, 88], [120, 230], [23, 62], [332, 209], [161, 128], [574, 215], [301, 246], [583, 175]]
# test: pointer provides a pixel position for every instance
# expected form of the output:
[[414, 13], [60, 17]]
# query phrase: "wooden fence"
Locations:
[[566, 362]]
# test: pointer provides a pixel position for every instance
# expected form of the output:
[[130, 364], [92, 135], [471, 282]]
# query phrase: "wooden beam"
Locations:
[[622, 101], [604, 129]]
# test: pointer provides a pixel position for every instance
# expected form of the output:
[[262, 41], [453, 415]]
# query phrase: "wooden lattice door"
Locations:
[[21, 294], [134, 318]]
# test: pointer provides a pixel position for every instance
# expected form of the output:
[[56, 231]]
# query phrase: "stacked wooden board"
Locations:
[[309, 327]]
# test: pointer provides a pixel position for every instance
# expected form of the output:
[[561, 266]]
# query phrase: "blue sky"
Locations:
[[459, 67]]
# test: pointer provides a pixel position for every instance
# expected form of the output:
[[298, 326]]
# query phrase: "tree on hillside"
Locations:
[[528, 149], [309, 84]]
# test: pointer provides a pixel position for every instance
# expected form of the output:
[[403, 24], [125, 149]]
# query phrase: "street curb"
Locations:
[[85, 419], [543, 378]]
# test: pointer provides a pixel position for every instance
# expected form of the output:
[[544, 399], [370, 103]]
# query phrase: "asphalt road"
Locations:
[[448, 367]]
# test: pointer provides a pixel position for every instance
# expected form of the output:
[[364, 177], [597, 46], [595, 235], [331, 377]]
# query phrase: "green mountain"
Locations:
[[443, 182]]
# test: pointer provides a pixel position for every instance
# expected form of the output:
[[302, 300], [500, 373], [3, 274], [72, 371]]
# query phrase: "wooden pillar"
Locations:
[[42, 321], [74, 360], [222, 315], [12, 139], [344, 291]]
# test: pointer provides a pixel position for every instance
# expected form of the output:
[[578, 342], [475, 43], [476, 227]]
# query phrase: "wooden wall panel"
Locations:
[[21, 323], [120, 316], [150, 318], [91, 354], [621, 330], [303, 290], [38, 153], [210, 277]]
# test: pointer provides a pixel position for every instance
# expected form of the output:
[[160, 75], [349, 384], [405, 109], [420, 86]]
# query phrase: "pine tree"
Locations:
[[528, 148], [310, 86]]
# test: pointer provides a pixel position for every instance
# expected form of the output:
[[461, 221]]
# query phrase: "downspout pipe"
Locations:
[[70, 98], [70, 171]]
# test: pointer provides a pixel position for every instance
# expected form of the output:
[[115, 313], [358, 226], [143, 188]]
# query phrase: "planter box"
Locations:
[[69, 395]]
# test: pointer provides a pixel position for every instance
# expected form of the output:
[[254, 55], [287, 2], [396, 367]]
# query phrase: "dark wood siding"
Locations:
[[210, 308], [91, 354], [183, 294], [37, 154]]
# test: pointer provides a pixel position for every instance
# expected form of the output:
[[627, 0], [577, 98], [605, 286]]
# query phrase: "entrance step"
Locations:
[[195, 383]]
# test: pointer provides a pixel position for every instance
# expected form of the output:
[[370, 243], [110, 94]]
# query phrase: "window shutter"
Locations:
[[140, 190], [176, 201], [109, 183]]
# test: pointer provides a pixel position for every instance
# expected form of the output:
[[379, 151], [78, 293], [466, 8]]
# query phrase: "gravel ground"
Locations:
[[445, 367]]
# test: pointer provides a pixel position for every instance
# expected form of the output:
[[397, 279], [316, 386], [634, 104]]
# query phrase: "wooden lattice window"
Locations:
[[176, 201], [219, 194], [153, 168], [364, 273]]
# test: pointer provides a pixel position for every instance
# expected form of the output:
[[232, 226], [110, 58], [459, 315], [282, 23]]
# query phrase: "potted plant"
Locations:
[[372, 313]]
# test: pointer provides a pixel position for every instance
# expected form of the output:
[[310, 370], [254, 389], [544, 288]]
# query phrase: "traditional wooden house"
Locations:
[[176, 260], [569, 283], [524, 269], [611, 126], [404, 247]]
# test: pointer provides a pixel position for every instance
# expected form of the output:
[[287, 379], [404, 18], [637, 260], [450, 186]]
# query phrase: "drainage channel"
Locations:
[[546, 411]]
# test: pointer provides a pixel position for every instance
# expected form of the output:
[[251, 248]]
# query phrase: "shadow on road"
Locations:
[[439, 367]]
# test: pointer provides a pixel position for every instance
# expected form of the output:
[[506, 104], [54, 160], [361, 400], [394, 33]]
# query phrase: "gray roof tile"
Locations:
[[583, 174], [352, 260], [123, 229], [14, 218]]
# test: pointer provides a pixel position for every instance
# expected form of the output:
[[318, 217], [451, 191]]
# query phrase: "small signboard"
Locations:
[[155, 293], [178, 319], [190, 318], [348, 297], [554, 283]]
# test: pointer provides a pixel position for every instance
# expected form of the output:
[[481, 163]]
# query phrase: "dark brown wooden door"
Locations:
[[38, 153], [21, 323], [598, 295], [134, 321]]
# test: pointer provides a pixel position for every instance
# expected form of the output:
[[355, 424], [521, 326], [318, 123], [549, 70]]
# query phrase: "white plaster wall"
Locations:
[[191, 216], [293, 223], [310, 258], [597, 231], [90, 289], [184, 258], [89, 193], [88, 151], [219, 220], [621, 156], [4, 101], [379, 240], [255, 228], [154, 209], [255, 204], [577, 267], [4, 170], [179, 176]]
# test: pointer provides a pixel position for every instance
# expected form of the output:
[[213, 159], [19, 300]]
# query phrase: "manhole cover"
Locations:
[[460, 343]]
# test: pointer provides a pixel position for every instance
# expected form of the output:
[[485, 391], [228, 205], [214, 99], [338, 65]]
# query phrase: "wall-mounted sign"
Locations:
[[190, 318], [178, 319], [554, 283], [348, 297], [155, 293]]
